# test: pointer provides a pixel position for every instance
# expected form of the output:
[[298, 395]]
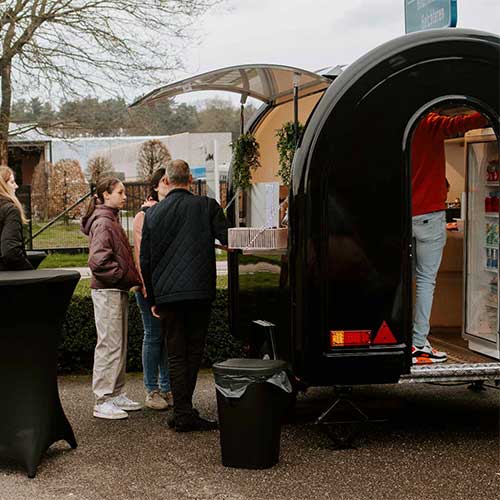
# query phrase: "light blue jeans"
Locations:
[[429, 237], [154, 353]]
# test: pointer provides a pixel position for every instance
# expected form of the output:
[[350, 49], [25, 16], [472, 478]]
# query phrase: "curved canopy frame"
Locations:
[[270, 83]]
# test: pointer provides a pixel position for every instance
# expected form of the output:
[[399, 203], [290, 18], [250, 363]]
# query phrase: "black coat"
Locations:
[[177, 248], [12, 254]]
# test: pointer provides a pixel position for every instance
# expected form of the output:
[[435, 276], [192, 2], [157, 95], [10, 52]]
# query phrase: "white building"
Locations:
[[208, 154]]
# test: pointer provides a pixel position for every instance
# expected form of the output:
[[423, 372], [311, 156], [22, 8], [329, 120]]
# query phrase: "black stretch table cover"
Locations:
[[33, 305]]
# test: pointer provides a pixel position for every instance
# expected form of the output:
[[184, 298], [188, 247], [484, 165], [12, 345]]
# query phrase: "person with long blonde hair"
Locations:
[[12, 253]]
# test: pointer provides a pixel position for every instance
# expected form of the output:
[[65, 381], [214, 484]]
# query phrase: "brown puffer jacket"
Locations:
[[110, 255]]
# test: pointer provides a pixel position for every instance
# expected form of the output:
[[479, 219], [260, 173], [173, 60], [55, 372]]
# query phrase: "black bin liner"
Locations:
[[251, 397]]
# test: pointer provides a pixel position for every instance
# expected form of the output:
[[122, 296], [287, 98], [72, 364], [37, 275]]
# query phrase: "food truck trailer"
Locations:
[[337, 302]]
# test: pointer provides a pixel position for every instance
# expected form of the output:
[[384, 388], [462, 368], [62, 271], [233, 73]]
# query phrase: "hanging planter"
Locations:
[[246, 157], [286, 149]]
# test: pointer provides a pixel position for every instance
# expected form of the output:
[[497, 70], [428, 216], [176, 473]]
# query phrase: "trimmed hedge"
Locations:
[[76, 351]]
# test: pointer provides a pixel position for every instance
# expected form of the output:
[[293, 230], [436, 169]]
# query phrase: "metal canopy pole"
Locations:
[[243, 101], [296, 78]]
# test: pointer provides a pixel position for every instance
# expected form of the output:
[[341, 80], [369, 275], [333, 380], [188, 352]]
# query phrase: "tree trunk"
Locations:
[[5, 113]]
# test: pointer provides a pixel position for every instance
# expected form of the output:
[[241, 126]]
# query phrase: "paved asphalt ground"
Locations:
[[438, 443]]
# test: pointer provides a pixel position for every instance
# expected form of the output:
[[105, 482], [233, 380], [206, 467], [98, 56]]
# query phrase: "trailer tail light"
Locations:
[[339, 338], [384, 335]]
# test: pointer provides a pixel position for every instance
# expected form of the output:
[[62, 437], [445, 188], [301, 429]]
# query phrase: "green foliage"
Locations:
[[76, 351], [220, 344], [220, 115], [91, 116], [245, 159], [286, 149]]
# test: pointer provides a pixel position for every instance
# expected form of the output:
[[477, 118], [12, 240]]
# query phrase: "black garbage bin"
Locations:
[[251, 397]]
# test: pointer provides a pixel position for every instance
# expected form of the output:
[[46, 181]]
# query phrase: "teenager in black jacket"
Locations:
[[12, 254], [178, 267]]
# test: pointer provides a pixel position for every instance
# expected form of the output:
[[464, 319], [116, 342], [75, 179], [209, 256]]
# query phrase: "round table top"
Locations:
[[33, 276]]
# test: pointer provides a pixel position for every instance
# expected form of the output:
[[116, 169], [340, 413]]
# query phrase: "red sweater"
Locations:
[[428, 160]]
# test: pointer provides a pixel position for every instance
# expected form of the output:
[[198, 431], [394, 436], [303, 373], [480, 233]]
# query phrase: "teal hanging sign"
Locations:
[[430, 14]]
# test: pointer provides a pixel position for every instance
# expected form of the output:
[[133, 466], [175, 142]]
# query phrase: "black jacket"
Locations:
[[12, 254], [177, 248]]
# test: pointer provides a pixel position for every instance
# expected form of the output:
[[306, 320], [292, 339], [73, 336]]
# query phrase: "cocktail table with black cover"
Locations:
[[33, 305]]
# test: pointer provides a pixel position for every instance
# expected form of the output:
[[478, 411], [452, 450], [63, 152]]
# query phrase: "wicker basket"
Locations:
[[246, 238]]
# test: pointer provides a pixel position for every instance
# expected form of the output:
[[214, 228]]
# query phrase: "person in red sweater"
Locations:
[[429, 192]]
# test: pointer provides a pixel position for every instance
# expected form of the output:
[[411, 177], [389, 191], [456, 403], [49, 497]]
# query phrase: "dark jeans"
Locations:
[[184, 327]]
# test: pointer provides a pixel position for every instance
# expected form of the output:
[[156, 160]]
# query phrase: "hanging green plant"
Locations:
[[286, 149], [246, 157]]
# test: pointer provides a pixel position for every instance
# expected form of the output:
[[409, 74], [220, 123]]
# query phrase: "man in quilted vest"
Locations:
[[178, 265]]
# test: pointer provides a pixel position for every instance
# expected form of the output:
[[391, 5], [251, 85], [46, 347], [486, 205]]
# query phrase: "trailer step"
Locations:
[[458, 372]]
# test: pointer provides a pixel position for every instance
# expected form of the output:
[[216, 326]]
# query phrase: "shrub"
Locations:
[[246, 157], [76, 351]]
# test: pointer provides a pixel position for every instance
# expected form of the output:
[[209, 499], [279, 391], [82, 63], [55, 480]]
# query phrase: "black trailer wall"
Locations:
[[350, 217]]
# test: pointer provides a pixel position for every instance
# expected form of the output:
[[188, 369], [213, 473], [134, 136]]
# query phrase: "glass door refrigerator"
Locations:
[[481, 322]]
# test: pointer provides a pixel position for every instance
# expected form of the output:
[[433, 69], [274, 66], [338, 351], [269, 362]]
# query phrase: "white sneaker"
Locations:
[[427, 355], [155, 401], [125, 403], [109, 411]]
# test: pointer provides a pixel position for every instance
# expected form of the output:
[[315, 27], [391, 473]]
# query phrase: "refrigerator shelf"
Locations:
[[491, 247], [491, 214], [491, 269], [492, 184]]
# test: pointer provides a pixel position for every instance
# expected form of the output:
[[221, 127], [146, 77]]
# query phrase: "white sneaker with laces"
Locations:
[[124, 403], [109, 411]]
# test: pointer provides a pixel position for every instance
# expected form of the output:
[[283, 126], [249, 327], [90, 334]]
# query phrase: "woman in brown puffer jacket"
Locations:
[[113, 274]]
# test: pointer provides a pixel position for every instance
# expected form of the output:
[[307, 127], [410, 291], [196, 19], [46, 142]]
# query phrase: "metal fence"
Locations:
[[62, 232]]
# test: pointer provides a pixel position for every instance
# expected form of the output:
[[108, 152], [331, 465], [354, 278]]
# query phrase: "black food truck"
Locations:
[[337, 302]]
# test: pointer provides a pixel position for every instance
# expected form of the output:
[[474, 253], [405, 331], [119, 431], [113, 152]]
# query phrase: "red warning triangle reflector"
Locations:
[[384, 335]]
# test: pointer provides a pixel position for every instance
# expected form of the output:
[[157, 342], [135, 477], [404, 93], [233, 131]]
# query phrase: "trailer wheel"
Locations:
[[477, 386], [342, 434]]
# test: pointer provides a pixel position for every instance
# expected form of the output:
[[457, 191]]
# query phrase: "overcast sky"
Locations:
[[309, 34]]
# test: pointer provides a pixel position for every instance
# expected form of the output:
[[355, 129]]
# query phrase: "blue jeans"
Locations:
[[429, 233], [154, 353]]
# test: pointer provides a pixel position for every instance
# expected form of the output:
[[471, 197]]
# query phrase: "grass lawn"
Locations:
[[60, 235], [252, 259], [65, 260]]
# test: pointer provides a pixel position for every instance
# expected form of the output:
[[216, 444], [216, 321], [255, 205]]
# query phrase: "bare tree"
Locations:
[[152, 156], [77, 46], [98, 167]]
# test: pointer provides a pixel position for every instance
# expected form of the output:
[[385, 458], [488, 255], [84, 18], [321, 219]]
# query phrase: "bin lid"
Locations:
[[249, 366]]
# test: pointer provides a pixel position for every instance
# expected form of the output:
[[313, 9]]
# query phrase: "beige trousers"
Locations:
[[110, 357]]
